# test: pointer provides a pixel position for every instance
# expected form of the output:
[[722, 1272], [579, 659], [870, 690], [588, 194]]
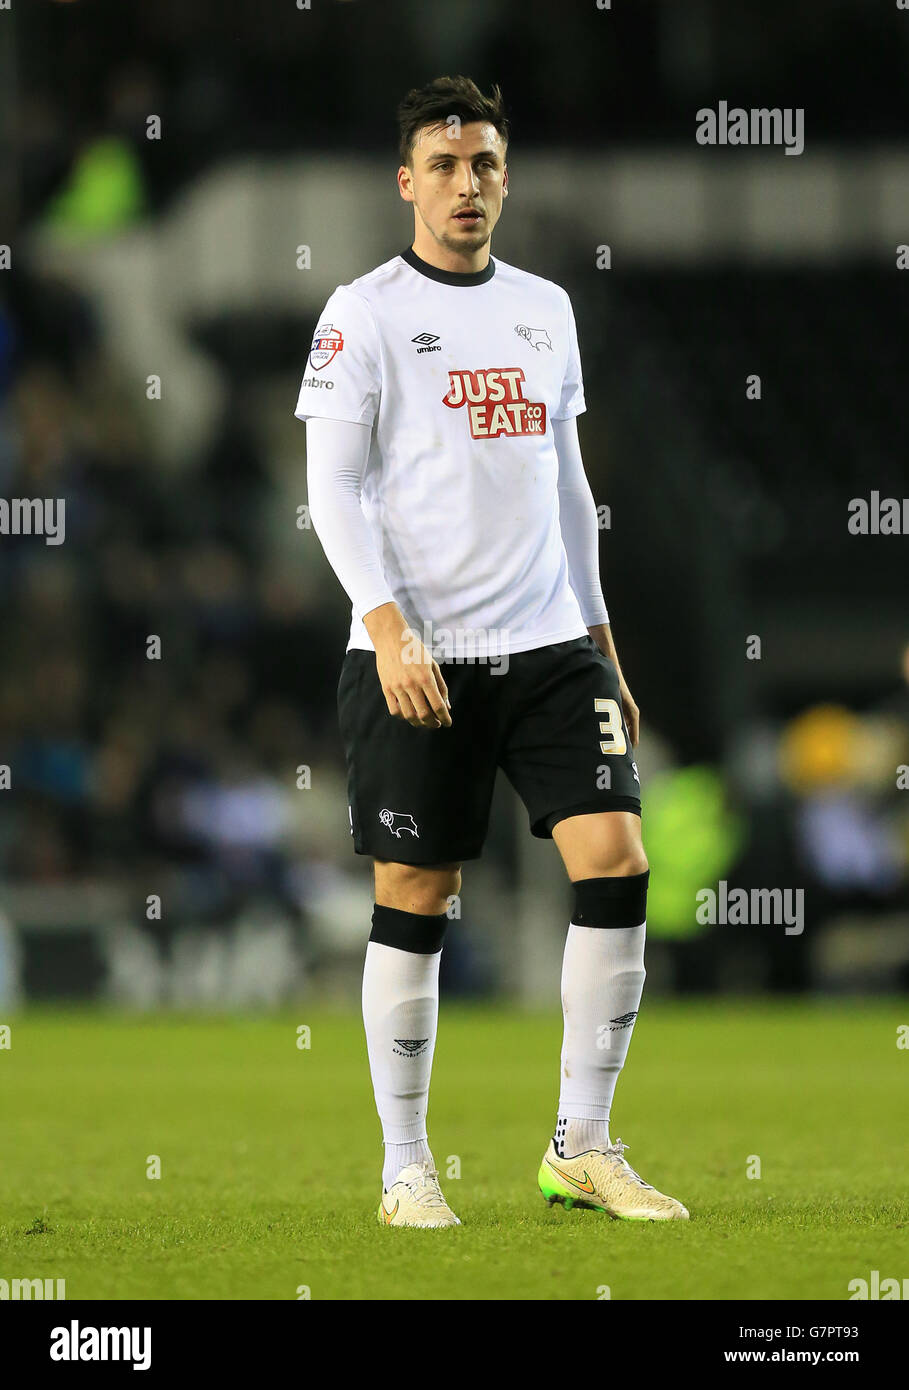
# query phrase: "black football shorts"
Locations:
[[552, 721]]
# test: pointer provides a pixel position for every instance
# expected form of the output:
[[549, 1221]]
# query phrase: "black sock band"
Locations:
[[611, 902], [408, 931]]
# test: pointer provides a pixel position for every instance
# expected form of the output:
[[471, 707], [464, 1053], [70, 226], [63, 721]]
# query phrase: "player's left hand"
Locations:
[[631, 712]]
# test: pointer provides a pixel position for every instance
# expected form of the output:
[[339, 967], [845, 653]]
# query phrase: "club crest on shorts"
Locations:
[[327, 343], [396, 821]]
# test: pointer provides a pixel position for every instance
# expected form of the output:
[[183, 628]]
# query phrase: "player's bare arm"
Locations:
[[602, 635], [412, 683]]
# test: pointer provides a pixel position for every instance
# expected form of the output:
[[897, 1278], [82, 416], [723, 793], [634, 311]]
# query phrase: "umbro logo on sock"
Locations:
[[410, 1047], [624, 1020]]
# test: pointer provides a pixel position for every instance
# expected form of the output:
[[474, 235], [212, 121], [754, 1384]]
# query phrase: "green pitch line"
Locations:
[[270, 1157]]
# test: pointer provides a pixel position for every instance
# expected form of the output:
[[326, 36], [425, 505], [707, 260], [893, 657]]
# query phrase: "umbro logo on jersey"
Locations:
[[410, 1047], [427, 342], [327, 343], [537, 337]]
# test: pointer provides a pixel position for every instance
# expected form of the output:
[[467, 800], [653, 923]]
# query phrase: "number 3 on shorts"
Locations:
[[611, 726]]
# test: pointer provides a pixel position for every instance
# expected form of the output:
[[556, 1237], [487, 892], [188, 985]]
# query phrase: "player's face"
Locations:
[[457, 183]]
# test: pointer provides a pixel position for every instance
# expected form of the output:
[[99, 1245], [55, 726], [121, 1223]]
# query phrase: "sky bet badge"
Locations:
[[325, 345]]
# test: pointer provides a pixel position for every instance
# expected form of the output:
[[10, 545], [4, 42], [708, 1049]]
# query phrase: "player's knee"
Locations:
[[628, 863], [412, 905], [623, 862], [417, 888]]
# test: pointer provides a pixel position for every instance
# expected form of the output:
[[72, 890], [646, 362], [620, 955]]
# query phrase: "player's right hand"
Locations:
[[412, 683]]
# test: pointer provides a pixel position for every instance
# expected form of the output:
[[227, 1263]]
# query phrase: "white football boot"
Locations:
[[415, 1199], [604, 1180]]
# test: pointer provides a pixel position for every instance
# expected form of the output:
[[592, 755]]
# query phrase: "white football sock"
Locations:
[[400, 1012], [398, 1156], [574, 1137], [602, 982]]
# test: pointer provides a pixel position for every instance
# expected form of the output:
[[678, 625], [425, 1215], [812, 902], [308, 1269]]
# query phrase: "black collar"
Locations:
[[448, 277]]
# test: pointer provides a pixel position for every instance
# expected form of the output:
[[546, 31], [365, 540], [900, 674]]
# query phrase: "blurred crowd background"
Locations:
[[174, 830]]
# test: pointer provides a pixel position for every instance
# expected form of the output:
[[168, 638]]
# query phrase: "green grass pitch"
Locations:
[[270, 1157]]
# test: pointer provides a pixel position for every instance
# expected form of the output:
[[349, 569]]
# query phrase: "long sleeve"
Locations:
[[337, 452], [578, 519]]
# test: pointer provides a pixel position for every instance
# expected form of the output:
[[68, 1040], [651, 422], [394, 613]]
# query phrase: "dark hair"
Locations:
[[444, 97]]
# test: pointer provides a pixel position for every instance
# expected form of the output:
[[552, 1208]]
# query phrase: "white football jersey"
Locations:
[[459, 377]]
